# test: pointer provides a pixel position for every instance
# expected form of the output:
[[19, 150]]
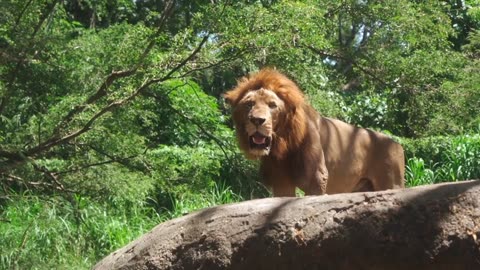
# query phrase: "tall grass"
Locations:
[[417, 173], [54, 233], [449, 159], [216, 195], [463, 159]]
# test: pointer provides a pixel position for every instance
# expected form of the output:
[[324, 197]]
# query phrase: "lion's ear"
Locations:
[[230, 98]]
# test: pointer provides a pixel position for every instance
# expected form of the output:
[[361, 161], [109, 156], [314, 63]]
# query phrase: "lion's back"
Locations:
[[353, 153]]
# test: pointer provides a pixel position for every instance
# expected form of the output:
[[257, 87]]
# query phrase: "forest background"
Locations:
[[112, 121]]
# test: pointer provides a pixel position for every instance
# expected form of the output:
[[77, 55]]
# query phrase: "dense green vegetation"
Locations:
[[111, 116]]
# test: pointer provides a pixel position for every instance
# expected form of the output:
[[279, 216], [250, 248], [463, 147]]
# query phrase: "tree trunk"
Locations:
[[430, 227]]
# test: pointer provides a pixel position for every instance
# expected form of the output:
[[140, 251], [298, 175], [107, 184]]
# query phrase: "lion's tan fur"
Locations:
[[317, 154]]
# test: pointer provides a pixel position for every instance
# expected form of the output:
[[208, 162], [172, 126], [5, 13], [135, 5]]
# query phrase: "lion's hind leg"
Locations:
[[364, 185]]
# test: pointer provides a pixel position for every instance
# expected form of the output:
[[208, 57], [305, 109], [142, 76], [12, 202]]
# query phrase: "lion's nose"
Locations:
[[257, 120]]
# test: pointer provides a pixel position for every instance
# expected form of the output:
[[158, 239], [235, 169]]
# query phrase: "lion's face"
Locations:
[[258, 114], [268, 113]]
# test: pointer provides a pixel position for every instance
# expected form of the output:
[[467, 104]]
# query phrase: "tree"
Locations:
[[392, 55], [465, 17], [68, 91]]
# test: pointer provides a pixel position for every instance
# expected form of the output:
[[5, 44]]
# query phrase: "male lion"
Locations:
[[299, 148]]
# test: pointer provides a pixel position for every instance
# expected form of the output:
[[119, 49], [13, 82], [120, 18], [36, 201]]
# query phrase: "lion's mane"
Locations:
[[292, 129]]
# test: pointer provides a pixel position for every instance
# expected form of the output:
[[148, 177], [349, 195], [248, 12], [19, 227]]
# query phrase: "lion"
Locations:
[[299, 148]]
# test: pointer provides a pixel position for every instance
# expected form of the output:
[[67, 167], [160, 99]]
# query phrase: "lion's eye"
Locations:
[[272, 105], [250, 104]]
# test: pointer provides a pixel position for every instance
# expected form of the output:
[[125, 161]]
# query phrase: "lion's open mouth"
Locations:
[[260, 141]]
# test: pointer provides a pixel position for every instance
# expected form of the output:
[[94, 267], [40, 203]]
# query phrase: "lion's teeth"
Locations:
[[259, 139]]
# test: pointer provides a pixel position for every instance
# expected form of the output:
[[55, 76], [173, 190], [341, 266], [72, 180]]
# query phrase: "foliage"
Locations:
[[369, 109], [440, 159], [330, 104], [462, 95], [417, 173]]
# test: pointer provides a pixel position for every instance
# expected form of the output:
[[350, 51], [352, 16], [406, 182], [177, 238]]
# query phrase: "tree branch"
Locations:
[[100, 93], [113, 159], [19, 18], [57, 140], [167, 12], [30, 184], [52, 176], [11, 159], [23, 55], [211, 65], [115, 75], [193, 121], [353, 62], [186, 60]]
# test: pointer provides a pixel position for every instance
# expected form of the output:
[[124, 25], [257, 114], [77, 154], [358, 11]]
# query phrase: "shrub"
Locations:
[[439, 159]]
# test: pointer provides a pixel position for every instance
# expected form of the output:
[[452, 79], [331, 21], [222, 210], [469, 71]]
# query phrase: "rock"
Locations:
[[429, 227]]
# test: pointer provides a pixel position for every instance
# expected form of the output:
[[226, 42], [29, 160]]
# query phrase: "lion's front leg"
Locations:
[[318, 180], [318, 183], [283, 189], [275, 175]]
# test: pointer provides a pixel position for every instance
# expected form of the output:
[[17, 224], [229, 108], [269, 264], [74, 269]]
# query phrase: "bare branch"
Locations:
[[14, 156], [101, 92], [12, 177], [56, 141], [167, 12], [81, 168], [11, 159], [112, 159], [48, 10], [30, 184]]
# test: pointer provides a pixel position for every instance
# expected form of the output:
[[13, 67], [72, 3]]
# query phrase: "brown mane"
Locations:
[[292, 130]]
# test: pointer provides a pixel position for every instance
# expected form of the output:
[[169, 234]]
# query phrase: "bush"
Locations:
[[329, 104], [440, 159], [368, 110]]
